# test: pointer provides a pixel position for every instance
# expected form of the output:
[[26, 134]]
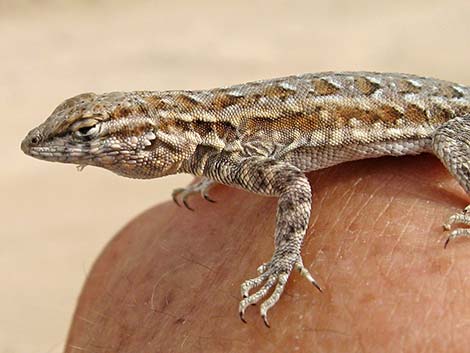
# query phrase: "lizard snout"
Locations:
[[32, 139]]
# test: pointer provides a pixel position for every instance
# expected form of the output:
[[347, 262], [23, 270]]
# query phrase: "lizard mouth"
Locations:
[[54, 154], [54, 151]]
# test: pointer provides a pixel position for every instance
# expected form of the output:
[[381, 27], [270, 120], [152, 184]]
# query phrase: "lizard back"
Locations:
[[318, 120]]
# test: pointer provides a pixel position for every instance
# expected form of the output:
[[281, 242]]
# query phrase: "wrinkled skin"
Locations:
[[168, 282]]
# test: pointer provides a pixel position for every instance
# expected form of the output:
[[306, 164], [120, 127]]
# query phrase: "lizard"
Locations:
[[263, 137]]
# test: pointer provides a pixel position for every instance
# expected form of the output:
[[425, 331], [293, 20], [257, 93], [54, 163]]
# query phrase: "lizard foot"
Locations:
[[271, 275], [200, 187], [458, 218]]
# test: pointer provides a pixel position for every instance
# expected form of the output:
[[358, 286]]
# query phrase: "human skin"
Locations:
[[169, 281]]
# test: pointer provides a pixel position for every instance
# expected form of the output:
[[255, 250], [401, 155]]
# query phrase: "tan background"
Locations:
[[54, 221]]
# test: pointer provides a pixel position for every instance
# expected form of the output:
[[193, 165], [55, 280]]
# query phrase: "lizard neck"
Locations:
[[188, 125]]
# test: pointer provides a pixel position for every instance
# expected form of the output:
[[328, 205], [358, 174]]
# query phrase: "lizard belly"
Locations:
[[308, 158]]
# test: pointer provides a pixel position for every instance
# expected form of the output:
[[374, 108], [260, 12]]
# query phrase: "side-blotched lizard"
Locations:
[[263, 137]]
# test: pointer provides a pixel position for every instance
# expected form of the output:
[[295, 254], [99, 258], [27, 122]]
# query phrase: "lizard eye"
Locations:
[[87, 129]]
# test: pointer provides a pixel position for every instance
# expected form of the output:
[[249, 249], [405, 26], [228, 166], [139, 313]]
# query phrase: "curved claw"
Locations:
[[185, 203], [175, 200], [447, 242], [242, 316], [175, 194], [265, 319], [314, 282], [317, 286], [207, 198], [304, 272]]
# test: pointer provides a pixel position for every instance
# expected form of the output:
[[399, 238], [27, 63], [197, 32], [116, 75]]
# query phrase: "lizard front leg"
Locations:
[[273, 178], [451, 143]]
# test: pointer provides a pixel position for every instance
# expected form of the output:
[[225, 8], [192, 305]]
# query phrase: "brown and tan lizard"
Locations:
[[263, 137]]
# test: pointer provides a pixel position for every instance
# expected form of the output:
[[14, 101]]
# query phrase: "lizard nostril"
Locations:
[[35, 140]]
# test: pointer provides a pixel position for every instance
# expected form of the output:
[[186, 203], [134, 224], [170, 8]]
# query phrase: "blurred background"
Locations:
[[54, 220]]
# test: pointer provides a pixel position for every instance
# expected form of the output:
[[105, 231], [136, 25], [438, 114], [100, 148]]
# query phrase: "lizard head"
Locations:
[[112, 131]]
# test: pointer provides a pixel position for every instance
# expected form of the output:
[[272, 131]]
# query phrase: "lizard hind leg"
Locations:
[[451, 143], [201, 187]]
